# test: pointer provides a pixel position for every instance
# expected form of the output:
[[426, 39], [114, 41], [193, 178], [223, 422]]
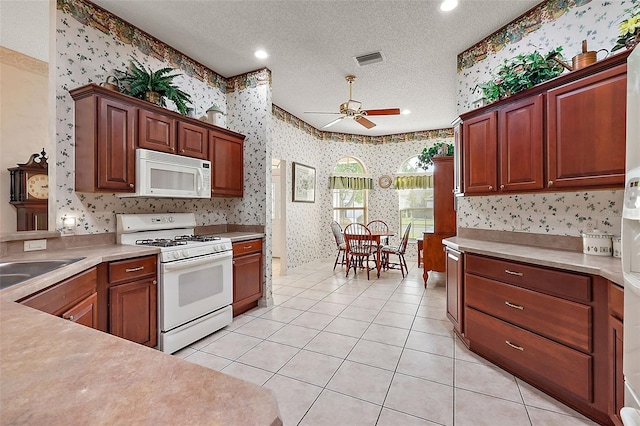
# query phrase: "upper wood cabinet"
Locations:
[[586, 133], [227, 162], [567, 133], [480, 145], [110, 126]]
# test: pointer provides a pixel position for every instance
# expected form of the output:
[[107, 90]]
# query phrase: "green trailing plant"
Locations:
[[138, 80], [439, 149], [520, 73]]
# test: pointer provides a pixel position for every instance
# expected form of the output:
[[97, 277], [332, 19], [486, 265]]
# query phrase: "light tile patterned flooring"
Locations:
[[347, 351]]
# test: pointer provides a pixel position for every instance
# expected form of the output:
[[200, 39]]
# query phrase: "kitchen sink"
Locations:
[[12, 273]]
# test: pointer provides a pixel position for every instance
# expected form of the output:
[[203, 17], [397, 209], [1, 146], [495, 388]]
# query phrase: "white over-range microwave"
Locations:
[[162, 175]]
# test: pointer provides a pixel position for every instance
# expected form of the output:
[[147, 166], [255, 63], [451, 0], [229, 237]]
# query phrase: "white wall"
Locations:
[[24, 27]]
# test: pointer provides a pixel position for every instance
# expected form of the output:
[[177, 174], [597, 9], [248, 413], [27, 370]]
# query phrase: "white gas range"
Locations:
[[195, 278]]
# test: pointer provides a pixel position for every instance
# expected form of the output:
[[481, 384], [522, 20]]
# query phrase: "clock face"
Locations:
[[38, 187]]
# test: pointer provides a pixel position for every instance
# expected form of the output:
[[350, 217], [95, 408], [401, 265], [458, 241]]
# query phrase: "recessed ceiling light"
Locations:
[[406, 111], [448, 5], [261, 54]]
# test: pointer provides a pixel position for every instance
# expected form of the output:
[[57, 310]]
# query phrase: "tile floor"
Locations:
[[347, 351]]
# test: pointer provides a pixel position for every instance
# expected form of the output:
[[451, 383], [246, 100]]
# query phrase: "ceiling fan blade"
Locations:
[[363, 121], [333, 122], [387, 111], [318, 112]]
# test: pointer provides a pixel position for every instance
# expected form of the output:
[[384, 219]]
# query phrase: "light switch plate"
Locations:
[[33, 245]]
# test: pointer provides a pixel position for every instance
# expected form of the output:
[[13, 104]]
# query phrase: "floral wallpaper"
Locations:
[[88, 54], [553, 23]]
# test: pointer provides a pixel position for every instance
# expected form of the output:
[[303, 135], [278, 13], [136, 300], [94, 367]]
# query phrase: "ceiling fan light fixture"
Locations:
[[353, 105], [448, 5], [406, 111], [261, 54]]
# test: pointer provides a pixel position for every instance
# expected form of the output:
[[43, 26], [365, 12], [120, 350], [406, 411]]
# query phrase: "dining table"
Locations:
[[377, 237]]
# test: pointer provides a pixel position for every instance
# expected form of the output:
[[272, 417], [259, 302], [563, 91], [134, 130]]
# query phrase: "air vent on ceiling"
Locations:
[[369, 59]]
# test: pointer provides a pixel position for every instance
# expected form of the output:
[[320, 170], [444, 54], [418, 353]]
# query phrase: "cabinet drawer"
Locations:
[[550, 281], [246, 247], [131, 269], [551, 361], [59, 298], [561, 320], [616, 301]]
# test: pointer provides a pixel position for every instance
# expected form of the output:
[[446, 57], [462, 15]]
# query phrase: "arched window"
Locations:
[[349, 184], [415, 197]]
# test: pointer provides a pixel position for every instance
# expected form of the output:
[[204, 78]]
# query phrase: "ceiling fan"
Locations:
[[353, 109]]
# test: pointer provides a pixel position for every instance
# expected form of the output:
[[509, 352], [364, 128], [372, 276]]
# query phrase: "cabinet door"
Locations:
[[156, 131], [133, 311], [480, 145], [616, 390], [247, 281], [193, 141], [455, 298], [586, 133], [85, 312], [116, 149], [521, 145], [227, 162]]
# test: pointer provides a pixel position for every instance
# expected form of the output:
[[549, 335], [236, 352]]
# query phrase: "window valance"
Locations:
[[413, 181], [350, 182]]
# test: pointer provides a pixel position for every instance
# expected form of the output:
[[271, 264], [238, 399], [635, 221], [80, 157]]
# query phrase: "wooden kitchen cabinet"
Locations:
[[227, 162], [247, 275], [586, 133], [132, 300], [480, 145], [105, 142], [455, 290], [444, 217], [74, 299], [109, 126], [616, 343], [546, 326]]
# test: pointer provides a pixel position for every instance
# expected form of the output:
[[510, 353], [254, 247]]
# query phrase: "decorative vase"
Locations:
[[632, 42], [153, 97]]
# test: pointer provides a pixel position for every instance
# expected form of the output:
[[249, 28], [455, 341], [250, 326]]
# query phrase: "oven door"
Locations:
[[191, 288]]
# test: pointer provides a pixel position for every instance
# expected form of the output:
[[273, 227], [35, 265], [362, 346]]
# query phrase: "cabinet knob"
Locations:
[[173, 149], [70, 318], [490, 187], [182, 150], [550, 183], [130, 185], [501, 186], [154, 282]]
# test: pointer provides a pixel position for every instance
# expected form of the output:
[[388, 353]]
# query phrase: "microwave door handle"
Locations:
[[200, 181]]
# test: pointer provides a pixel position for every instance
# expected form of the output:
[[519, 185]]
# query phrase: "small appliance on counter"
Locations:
[[597, 243]]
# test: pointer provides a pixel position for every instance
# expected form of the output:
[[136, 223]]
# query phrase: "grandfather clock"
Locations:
[[30, 193]]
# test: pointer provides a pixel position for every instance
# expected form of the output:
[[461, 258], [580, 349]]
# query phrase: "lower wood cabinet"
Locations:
[[132, 300], [616, 340], [247, 275], [74, 299], [455, 290], [433, 255], [549, 327]]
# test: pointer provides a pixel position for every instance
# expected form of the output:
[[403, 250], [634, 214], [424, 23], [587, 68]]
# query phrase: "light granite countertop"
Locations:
[[242, 236], [606, 266], [57, 372]]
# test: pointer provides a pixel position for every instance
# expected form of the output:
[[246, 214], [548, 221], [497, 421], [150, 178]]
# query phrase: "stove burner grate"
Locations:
[[198, 238], [160, 242]]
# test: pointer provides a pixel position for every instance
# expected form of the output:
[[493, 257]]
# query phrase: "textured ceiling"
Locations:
[[312, 44]]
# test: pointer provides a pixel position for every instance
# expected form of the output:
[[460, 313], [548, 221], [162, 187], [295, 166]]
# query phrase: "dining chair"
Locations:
[[398, 251], [380, 226], [340, 244], [360, 247]]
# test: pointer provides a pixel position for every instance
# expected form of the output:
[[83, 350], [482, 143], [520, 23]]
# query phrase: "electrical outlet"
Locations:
[[588, 226], [516, 222], [33, 245]]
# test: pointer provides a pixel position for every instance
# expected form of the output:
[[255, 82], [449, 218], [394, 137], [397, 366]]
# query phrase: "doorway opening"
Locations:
[[278, 217]]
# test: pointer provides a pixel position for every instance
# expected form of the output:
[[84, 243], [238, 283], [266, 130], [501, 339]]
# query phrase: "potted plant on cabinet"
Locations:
[[629, 31], [439, 149], [153, 86]]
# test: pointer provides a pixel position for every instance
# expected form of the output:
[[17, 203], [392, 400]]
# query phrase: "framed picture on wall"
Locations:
[[304, 183]]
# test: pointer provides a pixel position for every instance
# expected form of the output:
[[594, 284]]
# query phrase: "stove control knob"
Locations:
[[184, 253], [170, 219]]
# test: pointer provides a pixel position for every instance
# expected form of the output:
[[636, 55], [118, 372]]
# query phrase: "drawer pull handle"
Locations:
[[247, 247], [513, 273], [139, 268], [511, 305], [452, 257], [520, 348]]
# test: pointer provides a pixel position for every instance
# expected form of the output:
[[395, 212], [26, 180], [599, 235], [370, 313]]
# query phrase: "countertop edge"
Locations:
[[607, 267]]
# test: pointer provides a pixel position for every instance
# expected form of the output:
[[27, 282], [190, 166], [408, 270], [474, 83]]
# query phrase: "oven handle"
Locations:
[[199, 261]]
